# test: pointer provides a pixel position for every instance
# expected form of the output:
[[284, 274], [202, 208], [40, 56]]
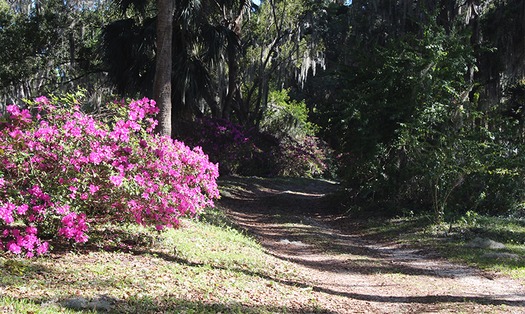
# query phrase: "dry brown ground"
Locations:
[[353, 274]]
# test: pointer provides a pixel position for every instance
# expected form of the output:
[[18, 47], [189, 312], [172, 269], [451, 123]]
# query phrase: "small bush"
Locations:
[[228, 144], [61, 168], [246, 151], [303, 157]]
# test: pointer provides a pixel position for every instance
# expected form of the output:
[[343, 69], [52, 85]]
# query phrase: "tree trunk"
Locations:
[[162, 80], [233, 84], [234, 43]]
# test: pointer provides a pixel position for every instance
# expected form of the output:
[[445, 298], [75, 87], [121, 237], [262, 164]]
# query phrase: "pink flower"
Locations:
[[133, 125], [73, 193], [74, 227], [42, 248], [13, 110], [139, 179], [42, 100], [25, 116], [39, 209], [95, 158], [16, 133], [28, 241], [62, 210], [116, 180], [120, 132], [14, 248], [171, 179], [76, 132], [22, 209], [6, 213], [93, 188]]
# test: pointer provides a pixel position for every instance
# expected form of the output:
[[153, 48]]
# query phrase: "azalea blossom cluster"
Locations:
[[60, 168]]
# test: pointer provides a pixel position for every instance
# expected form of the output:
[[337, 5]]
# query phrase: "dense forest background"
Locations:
[[416, 106]]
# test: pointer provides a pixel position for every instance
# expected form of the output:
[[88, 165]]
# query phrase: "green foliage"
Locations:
[[299, 152], [49, 46], [284, 47], [285, 116], [413, 137]]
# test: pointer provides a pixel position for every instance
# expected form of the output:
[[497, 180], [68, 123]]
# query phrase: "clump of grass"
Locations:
[[509, 231]]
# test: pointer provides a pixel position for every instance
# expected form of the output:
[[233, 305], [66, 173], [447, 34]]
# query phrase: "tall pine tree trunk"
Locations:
[[162, 80]]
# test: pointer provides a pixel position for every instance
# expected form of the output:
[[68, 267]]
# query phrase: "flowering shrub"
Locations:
[[303, 157], [227, 143], [60, 168], [245, 151]]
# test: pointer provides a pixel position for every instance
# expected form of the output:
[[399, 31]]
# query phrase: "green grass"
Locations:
[[450, 240], [206, 266]]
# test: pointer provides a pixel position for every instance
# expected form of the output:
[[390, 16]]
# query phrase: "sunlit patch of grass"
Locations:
[[396, 228], [451, 240], [206, 266], [458, 251], [222, 247]]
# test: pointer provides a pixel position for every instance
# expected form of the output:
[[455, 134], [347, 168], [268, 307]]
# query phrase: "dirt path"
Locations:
[[349, 274]]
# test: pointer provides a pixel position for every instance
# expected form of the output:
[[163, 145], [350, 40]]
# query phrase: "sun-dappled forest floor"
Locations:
[[352, 270], [270, 246]]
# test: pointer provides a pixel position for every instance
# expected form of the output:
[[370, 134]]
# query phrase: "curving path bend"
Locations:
[[349, 274]]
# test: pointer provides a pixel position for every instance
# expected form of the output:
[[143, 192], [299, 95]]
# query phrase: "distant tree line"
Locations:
[[421, 102]]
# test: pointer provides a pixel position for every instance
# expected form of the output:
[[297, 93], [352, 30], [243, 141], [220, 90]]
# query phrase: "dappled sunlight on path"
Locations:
[[350, 274]]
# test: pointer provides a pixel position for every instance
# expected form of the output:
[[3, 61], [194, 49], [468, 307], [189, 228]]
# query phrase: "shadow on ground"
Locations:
[[289, 218], [162, 305]]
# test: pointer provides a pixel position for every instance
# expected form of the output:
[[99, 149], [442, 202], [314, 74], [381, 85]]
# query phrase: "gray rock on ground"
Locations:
[[101, 303], [485, 244], [77, 303]]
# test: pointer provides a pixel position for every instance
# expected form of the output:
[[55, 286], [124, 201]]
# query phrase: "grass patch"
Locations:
[[206, 266], [451, 240]]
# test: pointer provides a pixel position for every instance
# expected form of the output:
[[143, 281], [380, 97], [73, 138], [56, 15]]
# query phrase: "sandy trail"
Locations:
[[349, 274]]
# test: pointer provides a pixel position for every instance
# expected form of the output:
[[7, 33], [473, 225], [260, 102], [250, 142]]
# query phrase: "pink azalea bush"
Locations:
[[60, 168]]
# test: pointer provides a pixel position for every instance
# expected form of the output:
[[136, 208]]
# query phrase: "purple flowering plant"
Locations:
[[61, 168], [248, 151]]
